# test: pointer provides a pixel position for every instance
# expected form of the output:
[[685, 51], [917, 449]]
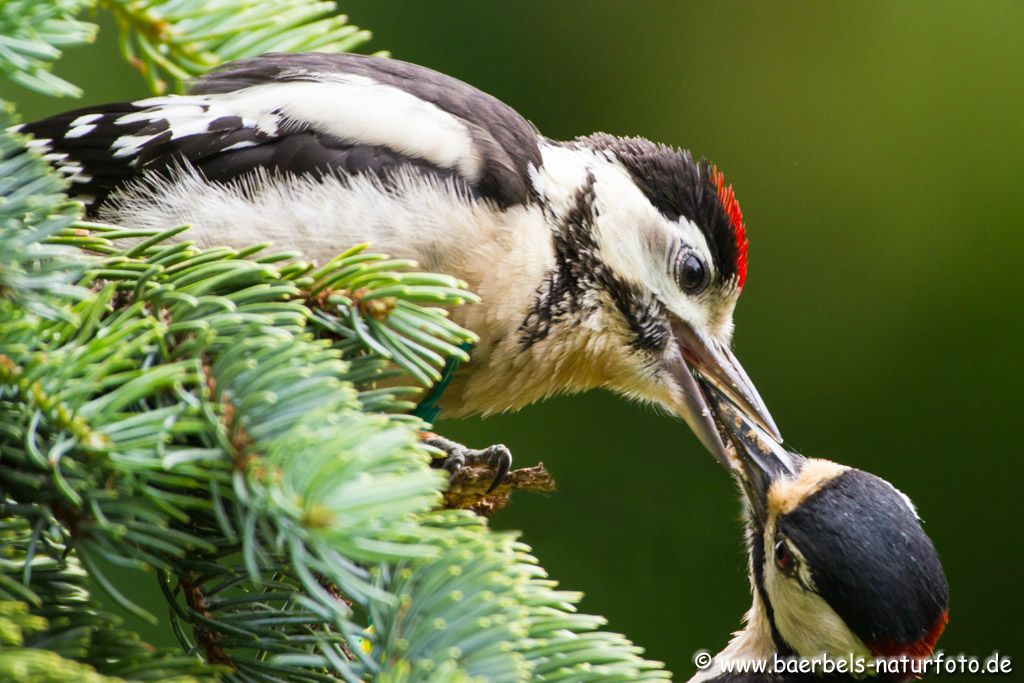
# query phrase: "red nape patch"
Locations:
[[727, 198], [918, 650]]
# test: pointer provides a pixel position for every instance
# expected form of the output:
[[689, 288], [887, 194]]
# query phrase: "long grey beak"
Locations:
[[717, 367], [759, 459]]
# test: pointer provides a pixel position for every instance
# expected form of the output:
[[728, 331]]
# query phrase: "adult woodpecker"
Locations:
[[601, 262], [839, 565]]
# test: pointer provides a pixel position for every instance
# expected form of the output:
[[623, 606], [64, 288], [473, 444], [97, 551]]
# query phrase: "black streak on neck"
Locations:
[[580, 282]]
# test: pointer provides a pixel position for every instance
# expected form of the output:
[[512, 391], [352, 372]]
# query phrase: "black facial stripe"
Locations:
[[647, 321], [563, 289], [678, 187], [573, 286], [870, 559], [755, 542]]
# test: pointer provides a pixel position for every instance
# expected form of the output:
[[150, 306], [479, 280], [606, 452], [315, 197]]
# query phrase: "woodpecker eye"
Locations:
[[692, 274], [784, 559]]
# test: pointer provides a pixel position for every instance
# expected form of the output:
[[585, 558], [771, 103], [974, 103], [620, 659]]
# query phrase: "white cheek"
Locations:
[[639, 244], [806, 621], [625, 228], [635, 240]]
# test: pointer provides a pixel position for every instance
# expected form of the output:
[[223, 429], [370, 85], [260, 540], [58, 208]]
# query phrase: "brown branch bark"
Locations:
[[468, 491]]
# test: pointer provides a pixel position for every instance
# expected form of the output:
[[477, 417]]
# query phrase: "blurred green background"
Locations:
[[877, 150]]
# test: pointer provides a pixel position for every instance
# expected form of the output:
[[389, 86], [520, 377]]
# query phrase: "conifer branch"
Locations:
[[32, 33], [235, 424], [177, 40], [168, 41]]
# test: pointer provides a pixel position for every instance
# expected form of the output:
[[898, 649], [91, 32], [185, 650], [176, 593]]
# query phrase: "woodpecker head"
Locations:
[[839, 561], [656, 238]]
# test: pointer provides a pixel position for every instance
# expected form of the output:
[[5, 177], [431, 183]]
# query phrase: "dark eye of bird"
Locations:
[[692, 274], [784, 559]]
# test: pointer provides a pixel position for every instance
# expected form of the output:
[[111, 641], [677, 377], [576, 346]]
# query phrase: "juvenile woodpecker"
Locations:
[[839, 565], [601, 262]]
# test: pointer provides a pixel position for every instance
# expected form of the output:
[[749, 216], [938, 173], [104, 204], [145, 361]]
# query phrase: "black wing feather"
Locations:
[[314, 154], [100, 173], [227, 149], [507, 142]]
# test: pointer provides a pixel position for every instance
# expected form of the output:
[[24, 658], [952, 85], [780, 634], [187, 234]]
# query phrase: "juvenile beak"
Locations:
[[718, 368], [758, 458]]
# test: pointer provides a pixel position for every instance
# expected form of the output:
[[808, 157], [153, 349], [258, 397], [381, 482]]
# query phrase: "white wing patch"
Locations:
[[184, 116], [359, 109], [41, 145], [83, 125], [240, 145], [130, 145], [355, 109]]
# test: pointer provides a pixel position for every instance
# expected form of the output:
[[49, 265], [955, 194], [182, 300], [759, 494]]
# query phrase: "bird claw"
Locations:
[[458, 457]]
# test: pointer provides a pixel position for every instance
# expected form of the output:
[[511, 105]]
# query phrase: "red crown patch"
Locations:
[[727, 198]]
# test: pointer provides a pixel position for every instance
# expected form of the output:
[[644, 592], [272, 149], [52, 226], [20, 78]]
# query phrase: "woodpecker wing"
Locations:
[[305, 114]]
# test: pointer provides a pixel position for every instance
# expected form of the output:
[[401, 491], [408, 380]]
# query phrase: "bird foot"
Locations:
[[458, 457]]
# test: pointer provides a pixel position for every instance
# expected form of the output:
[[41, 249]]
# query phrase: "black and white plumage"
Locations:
[[839, 565], [306, 114], [602, 262]]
